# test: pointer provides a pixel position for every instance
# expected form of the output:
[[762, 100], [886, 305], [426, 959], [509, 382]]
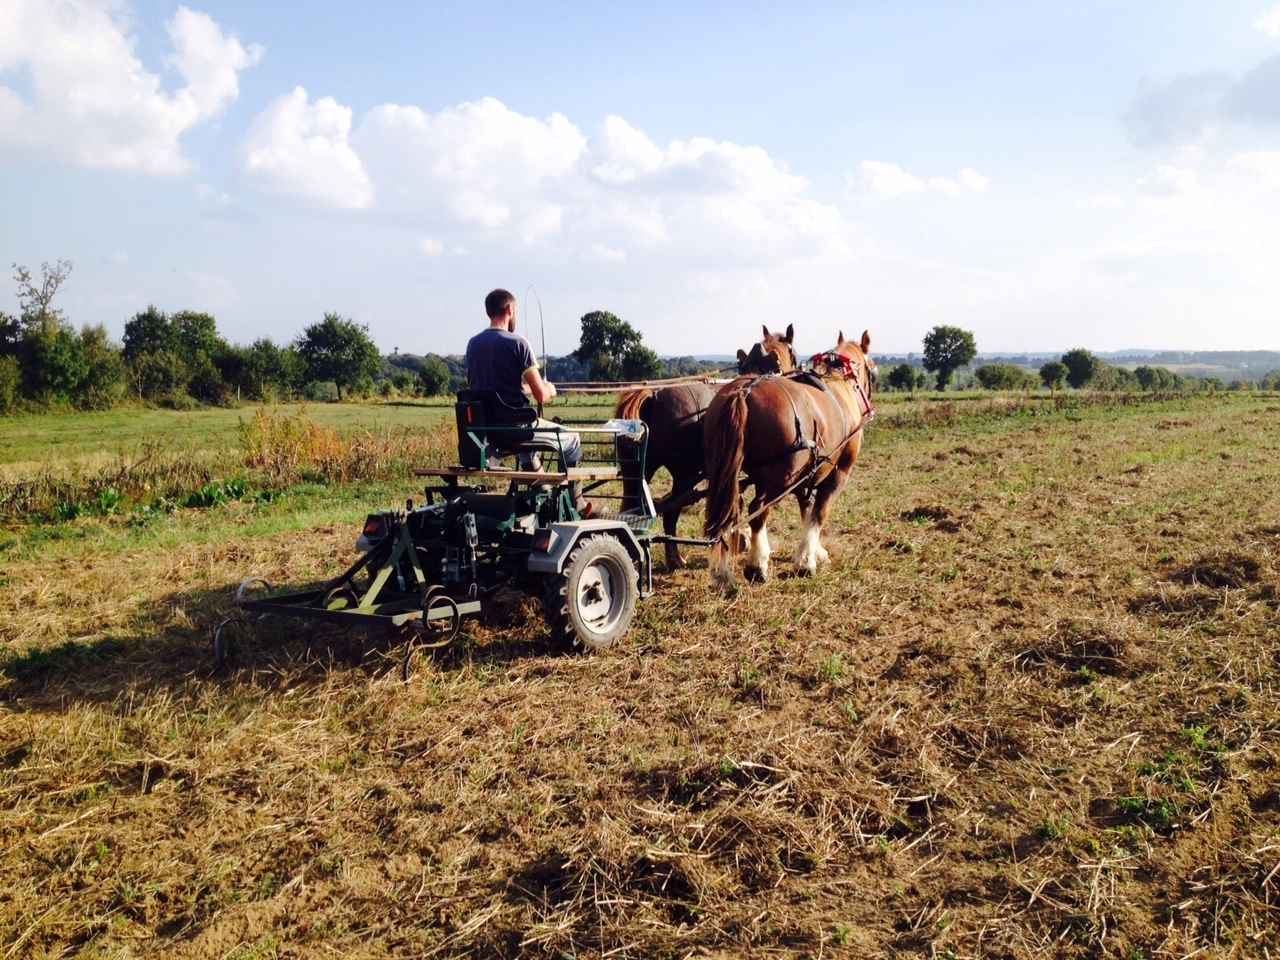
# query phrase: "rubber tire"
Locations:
[[564, 618]]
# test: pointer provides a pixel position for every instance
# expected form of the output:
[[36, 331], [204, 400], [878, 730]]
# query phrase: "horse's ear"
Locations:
[[840, 338], [791, 334], [767, 334], [866, 342]]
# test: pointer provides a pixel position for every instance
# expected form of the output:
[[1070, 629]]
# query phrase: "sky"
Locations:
[[1046, 175]]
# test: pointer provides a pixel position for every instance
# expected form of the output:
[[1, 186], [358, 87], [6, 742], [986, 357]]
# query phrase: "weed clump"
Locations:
[[1221, 570], [287, 449]]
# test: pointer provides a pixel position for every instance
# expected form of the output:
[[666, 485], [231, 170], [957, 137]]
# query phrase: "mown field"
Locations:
[[1030, 709]]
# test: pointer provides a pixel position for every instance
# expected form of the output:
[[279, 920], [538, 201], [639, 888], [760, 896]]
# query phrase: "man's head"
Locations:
[[500, 305]]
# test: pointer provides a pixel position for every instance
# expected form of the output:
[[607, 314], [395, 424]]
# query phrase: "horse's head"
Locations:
[[859, 363], [774, 354]]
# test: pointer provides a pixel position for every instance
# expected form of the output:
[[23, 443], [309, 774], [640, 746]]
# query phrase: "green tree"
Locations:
[[205, 381], [54, 363], [339, 351], [10, 335], [901, 377], [157, 375], [10, 381], [148, 331], [195, 333], [1053, 374], [402, 382], [947, 349], [640, 363], [434, 377], [104, 379], [1081, 366], [271, 371], [35, 298], [606, 343]]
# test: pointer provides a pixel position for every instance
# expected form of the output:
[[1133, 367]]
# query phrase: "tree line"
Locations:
[[181, 359], [948, 349]]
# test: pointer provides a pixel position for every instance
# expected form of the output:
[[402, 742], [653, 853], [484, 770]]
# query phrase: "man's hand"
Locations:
[[539, 389]]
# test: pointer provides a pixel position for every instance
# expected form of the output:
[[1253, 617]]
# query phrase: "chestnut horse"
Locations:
[[777, 430], [674, 417]]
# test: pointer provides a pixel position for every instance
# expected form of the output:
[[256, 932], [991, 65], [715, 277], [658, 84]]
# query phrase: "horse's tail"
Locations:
[[724, 431], [631, 404]]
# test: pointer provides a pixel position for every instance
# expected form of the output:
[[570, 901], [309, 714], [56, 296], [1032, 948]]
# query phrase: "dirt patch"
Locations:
[[1195, 604], [1173, 424], [1080, 643], [1221, 570], [939, 516]]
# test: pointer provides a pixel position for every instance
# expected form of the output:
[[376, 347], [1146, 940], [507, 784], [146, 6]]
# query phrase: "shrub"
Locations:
[[320, 391], [1054, 374], [153, 376], [10, 378], [1004, 376]]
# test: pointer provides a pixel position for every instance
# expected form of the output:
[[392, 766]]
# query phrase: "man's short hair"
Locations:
[[495, 304]]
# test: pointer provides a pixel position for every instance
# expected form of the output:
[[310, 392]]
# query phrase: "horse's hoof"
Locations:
[[675, 562], [756, 575]]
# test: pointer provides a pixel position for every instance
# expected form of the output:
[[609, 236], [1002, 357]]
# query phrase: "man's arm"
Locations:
[[539, 389]]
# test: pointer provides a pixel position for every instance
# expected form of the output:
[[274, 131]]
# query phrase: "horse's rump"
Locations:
[[773, 429], [631, 404]]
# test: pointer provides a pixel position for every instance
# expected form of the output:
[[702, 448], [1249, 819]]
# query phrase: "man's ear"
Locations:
[[866, 342], [791, 334]]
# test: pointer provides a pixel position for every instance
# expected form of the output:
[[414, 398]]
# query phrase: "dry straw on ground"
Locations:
[[1029, 710]]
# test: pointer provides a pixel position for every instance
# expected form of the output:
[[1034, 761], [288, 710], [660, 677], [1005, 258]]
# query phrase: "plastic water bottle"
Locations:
[[633, 429]]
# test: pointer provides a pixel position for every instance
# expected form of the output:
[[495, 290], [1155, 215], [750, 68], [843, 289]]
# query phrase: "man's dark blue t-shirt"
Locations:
[[497, 360]]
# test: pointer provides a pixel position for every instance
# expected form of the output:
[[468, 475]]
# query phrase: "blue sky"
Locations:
[[1103, 174]]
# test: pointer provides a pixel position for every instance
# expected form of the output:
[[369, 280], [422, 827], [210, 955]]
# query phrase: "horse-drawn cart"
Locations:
[[483, 526]]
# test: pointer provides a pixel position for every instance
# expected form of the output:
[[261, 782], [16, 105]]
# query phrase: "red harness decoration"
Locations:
[[830, 358]]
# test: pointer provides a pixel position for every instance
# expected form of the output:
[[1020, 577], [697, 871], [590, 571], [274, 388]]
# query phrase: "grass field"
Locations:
[[1030, 709]]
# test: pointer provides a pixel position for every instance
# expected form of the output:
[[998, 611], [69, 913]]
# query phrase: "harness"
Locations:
[[811, 377]]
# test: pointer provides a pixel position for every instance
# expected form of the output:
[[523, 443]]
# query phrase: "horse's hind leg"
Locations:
[[757, 566], [681, 486]]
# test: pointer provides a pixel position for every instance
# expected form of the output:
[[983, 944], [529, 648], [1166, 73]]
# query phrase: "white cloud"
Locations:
[[1269, 22], [430, 247], [1169, 180], [482, 170], [93, 101], [302, 148], [1262, 166], [890, 180], [479, 163]]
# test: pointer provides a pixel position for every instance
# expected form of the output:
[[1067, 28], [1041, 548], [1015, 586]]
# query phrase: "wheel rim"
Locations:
[[601, 595]]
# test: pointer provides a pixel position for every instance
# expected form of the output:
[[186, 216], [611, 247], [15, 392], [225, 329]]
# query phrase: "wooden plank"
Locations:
[[526, 476]]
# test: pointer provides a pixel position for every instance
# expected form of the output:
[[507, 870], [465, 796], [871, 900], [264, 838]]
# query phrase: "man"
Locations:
[[499, 359]]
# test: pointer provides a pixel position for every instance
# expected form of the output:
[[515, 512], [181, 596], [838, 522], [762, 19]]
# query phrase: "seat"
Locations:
[[488, 426]]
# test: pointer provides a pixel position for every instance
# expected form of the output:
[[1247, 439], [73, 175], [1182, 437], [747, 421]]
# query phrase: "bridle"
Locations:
[[846, 369]]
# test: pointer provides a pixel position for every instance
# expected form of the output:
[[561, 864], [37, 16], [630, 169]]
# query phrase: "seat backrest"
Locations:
[[478, 410]]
